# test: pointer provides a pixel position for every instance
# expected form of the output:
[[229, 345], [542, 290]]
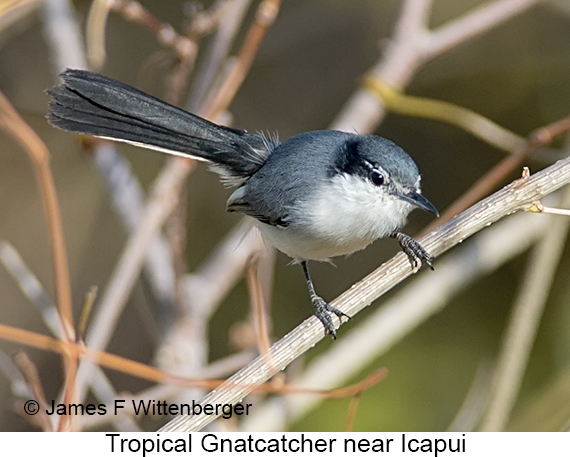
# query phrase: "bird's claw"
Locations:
[[323, 312], [414, 250]]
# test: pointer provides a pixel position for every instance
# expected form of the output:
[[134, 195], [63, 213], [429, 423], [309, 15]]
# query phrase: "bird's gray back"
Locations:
[[276, 186]]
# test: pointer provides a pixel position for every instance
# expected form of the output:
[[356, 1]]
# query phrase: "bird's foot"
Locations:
[[323, 312], [414, 250]]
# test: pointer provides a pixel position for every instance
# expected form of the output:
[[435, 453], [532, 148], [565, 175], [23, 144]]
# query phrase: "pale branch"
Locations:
[[514, 197], [413, 20], [31, 287], [104, 390], [475, 22], [61, 28], [413, 45], [18, 384]]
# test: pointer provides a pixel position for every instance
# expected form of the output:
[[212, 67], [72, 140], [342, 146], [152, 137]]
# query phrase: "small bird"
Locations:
[[318, 195]]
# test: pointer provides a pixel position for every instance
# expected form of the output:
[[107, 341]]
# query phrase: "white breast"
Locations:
[[350, 215]]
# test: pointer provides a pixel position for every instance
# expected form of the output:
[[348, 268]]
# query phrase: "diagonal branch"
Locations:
[[514, 197]]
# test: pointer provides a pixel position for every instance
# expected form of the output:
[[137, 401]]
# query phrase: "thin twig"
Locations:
[[538, 207], [351, 414], [86, 312], [135, 12], [30, 373], [537, 139], [217, 53], [95, 33], [258, 311], [202, 24], [264, 18], [21, 132]]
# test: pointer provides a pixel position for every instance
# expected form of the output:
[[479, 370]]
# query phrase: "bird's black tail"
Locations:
[[93, 104]]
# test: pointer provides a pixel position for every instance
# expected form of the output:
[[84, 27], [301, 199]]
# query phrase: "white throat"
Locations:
[[346, 216]]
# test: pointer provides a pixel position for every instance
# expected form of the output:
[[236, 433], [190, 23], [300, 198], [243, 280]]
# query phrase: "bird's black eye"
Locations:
[[376, 177]]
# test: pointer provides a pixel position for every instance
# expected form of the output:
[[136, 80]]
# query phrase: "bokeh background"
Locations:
[[312, 60]]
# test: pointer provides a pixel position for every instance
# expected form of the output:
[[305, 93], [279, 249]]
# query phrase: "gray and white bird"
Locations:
[[318, 195]]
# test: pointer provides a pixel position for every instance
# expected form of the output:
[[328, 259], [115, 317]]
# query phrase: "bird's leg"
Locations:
[[413, 250], [322, 308]]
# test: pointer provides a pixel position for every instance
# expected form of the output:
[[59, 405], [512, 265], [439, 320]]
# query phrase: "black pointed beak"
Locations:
[[417, 199]]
